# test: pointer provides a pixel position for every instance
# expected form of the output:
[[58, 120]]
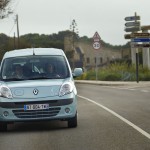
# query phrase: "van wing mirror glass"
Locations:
[[77, 72]]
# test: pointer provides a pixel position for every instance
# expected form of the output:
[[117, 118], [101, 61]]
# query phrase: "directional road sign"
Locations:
[[127, 36], [132, 18], [132, 29], [131, 24], [140, 35], [141, 45], [141, 40]]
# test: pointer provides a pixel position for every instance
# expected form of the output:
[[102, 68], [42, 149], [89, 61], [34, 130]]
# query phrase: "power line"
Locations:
[[15, 19], [11, 29], [17, 4]]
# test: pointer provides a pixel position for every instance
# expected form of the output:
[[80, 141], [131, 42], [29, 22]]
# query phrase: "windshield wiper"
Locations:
[[36, 78], [13, 79], [44, 77]]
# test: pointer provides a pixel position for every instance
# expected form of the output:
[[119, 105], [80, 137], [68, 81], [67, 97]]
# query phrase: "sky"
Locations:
[[51, 16]]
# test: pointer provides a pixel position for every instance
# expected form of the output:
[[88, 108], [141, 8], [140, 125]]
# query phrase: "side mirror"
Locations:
[[77, 72]]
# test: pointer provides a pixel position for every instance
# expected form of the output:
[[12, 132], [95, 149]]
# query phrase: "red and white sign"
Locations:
[[96, 38], [96, 45]]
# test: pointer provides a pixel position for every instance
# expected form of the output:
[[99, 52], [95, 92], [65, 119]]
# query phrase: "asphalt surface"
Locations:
[[98, 129]]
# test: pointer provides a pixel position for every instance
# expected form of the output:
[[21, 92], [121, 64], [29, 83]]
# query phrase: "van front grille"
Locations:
[[44, 113]]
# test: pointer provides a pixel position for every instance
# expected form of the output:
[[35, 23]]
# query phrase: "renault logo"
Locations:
[[35, 91]]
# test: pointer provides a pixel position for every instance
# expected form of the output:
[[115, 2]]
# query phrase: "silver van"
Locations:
[[37, 84]]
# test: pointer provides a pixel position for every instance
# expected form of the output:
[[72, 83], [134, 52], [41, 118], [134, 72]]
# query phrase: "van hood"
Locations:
[[35, 89]]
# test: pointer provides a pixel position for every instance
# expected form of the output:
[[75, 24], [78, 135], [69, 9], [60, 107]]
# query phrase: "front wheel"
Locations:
[[3, 126], [72, 122]]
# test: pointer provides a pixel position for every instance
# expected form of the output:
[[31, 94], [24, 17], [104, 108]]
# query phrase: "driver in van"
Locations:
[[51, 72]]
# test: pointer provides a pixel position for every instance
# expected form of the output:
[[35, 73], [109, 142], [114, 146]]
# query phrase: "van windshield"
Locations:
[[34, 67]]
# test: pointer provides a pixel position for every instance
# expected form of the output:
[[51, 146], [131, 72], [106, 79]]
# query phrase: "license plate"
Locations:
[[36, 106]]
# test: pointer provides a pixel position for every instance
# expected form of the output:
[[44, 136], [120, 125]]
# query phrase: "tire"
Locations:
[[3, 126], [72, 123]]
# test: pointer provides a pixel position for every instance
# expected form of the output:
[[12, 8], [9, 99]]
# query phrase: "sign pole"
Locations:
[[137, 60], [134, 27], [137, 66], [96, 67], [96, 46]]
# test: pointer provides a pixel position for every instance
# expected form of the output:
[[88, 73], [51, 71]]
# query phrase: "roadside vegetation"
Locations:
[[41, 40], [117, 72], [5, 8]]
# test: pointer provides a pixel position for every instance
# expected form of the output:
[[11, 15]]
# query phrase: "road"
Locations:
[[109, 118]]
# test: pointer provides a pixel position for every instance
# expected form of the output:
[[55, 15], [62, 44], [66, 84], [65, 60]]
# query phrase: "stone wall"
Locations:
[[103, 56]]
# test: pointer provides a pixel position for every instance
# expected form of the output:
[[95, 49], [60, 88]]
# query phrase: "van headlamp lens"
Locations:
[[66, 88], [5, 92]]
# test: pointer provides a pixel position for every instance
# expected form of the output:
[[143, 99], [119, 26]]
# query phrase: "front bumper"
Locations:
[[14, 111]]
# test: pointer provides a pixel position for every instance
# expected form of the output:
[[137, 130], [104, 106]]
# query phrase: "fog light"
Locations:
[[5, 113], [67, 110]]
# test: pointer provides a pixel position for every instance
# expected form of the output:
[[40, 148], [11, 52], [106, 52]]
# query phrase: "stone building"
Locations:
[[85, 56]]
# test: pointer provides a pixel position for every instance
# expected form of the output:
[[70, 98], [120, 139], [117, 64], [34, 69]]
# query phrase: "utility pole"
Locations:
[[14, 41], [18, 31]]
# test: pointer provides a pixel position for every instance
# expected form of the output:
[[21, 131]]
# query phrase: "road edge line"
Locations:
[[118, 116]]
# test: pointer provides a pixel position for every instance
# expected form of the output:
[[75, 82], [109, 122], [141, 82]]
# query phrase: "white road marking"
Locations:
[[132, 89], [145, 91], [121, 88], [118, 116], [128, 88]]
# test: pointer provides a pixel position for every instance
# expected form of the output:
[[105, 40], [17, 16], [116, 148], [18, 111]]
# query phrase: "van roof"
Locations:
[[32, 51]]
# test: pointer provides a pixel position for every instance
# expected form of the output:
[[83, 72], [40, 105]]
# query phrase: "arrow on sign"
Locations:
[[127, 36], [129, 24], [140, 35], [141, 45], [132, 29], [141, 40], [132, 18]]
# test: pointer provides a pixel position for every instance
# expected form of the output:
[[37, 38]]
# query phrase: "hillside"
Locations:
[[51, 40]]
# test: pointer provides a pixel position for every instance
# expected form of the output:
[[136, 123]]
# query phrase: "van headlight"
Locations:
[[5, 92], [66, 88]]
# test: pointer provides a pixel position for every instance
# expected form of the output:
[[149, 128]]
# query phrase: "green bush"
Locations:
[[112, 77], [91, 75], [144, 76], [117, 72]]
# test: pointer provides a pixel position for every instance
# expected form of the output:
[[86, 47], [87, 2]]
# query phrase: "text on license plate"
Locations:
[[36, 106]]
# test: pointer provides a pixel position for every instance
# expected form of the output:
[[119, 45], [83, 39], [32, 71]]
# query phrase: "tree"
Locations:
[[5, 10]]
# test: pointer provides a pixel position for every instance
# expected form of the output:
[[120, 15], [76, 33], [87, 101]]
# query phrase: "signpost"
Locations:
[[132, 18], [127, 36], [96, 46], [141, 40], [96, 43], [141, 45], [137, 35], [140, 35], [132, 29], [133, 25]]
